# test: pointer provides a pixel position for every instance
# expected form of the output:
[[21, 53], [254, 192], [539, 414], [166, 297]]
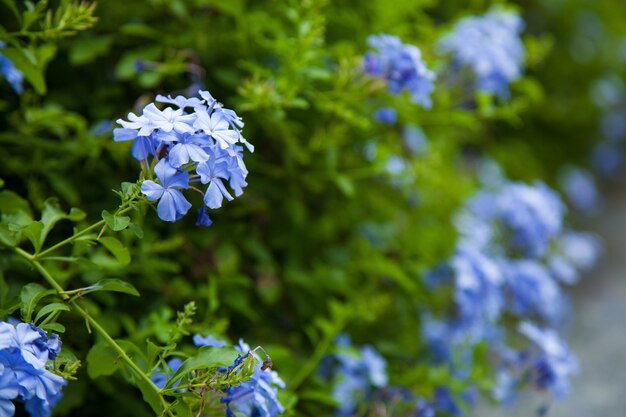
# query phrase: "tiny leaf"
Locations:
[[29, 297], [115, 223]]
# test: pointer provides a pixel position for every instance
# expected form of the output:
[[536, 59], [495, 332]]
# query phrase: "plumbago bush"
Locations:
[[413, 174]]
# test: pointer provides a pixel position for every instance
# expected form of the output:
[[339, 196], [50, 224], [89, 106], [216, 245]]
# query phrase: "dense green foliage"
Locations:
[[325, 240]]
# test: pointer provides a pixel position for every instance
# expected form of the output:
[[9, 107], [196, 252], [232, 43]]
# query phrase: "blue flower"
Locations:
[[14, 76], [160, 377], [478, 282], [24, 354], [533, 290], [9, 390], [415, 140], [205, 140], [580, 189], [255, 397], [356, 374], [208, 340], [553, 364], [491, 46], [401, 66], [172, 204], [386, 115]]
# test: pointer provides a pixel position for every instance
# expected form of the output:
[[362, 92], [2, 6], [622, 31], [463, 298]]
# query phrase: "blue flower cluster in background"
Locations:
[[401, 66], [490, 45], [198, 146], [14, 76], [512, 257], [25, 375]]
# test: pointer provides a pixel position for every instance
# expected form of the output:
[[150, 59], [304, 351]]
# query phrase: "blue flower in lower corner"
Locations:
[[172, 204], [256, 397]]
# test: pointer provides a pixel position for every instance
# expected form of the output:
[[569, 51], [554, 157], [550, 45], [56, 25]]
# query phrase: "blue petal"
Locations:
[[172, 205], [152, 190]]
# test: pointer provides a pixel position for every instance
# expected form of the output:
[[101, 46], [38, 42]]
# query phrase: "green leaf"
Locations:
[[115, 223], [29, 297], [102, 360], [137, 230], [154, 351], [33, 233], [51, 308], [208, 357], [85, 50], [149, 394], [28, 65], [114, 285], [117, 249], [51, 214], [53, 327]]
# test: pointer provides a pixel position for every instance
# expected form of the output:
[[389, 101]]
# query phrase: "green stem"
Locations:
[[75, 236], [311, 365], [94, 324]]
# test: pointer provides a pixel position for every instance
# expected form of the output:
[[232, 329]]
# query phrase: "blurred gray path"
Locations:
[[597, 334]]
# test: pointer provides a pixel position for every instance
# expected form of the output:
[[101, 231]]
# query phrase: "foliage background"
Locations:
[[323, 241]]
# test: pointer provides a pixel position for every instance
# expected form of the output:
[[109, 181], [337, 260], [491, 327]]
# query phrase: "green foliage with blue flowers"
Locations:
[[342, 221]]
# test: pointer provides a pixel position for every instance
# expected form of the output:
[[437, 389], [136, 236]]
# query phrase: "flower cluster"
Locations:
[[256, 396], [12, 74], [491, 46], [198, 146], [512, 257], [402, 67], [25, 351], [356, 375]]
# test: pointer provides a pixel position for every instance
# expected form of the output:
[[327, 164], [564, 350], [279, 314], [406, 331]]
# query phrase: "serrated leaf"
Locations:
[[114, 285], [117, 249], [207, 358], [50, 308], [53, 327], [29, 297], [102, 360], [115, 223]]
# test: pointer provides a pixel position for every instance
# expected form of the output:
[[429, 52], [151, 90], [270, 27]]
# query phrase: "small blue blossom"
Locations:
[[533, 290], [160, 377], [208, 340], [478, 282], [491, 46], [386, 115], [356, 374], [172, 204], [607, 158], [580, 189], [402, 67], [553, 364], [25, 352], [415, 140], [14, 76]]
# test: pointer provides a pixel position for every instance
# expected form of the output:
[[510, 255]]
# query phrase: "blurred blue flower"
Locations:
[[491, 46], [160, 376], [14, 76], [356, 374], [478, 281], [533, 290], [553, 364], [386, 115], [580, 189], [415, 140], [606, 158], [402, 66], [208, 340]]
